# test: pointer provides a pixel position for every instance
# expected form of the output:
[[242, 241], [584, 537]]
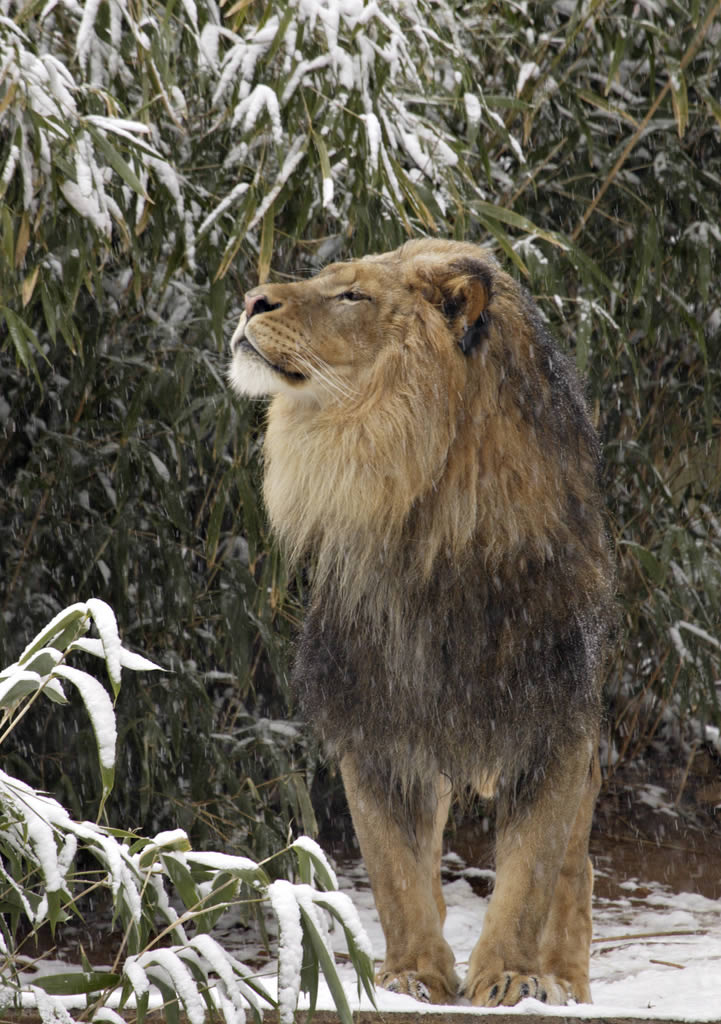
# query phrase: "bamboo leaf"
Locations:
[[75, 983], [362, 963], [327, 965], [265, 253], [653, 567], [100, 711], [713, 104], [313, 864], [59, 632], [679, 99], [23, 338], [518, 221]]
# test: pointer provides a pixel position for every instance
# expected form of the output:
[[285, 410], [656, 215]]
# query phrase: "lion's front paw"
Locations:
[[423, 987], [510, 987]]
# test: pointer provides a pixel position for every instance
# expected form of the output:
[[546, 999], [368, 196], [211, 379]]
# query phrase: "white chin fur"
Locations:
[[250, 377]]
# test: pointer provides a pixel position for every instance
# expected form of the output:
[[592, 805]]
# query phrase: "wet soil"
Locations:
[[658, 820]]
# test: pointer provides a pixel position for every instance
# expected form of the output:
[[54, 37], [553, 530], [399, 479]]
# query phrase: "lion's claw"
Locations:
[[511, 987], [409, 983]]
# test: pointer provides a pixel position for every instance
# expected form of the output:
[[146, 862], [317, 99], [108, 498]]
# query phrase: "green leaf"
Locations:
[[223, 891], [362, 963], [679, 99], [116, 161], [43, 661], [182, 880], [304, 804], [309, 974], [619, 52], [653, 567], [217, 311], [56, 904], [141, 1007], [313, 867], [215, 523], [102, 718], [76, 983], [713, 104], [516, 220], [25, 684], [327, 965], [8, 236], [171, 1004], [60, 632], [153, 850], [265, 253], [23, 338]]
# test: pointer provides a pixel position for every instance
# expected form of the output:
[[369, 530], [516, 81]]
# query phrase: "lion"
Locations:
[[429, 446]]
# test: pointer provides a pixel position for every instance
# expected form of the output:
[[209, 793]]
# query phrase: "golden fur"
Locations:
[[428, 445]]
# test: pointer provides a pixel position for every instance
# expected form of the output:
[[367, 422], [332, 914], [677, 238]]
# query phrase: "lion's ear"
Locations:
[[476, 334], [463, 292]]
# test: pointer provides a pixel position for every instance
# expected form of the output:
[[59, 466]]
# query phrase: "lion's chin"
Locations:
[[251, 378]]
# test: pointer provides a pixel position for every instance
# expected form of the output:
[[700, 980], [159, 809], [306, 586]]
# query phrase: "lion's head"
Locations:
[[415, 395], [327, 340]]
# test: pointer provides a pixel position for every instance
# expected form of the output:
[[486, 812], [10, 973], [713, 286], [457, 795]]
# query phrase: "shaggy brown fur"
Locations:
[[429, 445]]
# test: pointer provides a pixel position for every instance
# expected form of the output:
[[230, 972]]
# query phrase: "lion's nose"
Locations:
[[256, 302]]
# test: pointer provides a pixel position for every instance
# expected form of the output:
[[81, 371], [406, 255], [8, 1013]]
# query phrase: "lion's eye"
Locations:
[[353, 296]]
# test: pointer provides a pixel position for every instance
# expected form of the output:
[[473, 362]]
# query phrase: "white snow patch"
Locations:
[[691, 627], [327, 192], [631, 977], [221, 861], [529, 69], [375, 137], [473, 108]]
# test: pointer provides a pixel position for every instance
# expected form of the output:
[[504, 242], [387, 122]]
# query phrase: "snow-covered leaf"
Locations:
[[22, 682], [313, 863], [60, 631], [177, 973], [290, 947], [128, 659], [100, 710], [107, 627]]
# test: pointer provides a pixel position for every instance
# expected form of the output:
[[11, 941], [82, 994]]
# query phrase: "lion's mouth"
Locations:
[[247, 345]]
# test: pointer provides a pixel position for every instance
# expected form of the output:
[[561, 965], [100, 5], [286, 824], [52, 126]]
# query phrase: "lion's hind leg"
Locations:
[[405, 878], [541, 875]]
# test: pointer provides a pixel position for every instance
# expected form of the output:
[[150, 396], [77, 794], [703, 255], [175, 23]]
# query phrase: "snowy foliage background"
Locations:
[[157, 159]]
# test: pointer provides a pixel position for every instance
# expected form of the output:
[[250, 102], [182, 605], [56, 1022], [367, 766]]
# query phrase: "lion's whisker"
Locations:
[[326, 375]]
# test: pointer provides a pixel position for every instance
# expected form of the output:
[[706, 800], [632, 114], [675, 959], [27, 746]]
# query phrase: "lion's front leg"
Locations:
[[405, 877], [535, 939]]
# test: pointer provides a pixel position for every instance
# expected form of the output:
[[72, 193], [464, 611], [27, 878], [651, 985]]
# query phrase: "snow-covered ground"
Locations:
[[656, 954]]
